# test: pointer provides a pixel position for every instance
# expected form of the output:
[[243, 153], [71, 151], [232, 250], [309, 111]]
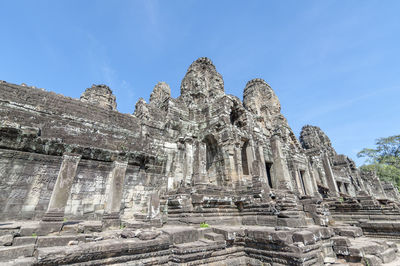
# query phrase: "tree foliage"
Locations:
[[384, 159]]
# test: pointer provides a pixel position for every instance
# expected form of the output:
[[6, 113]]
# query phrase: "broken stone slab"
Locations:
[[214, 237], [148, 235], [129, 233], [10, 253], [6, 240], [91, 226], [72, 228], [372, 260], [9, 230], [388, 255]]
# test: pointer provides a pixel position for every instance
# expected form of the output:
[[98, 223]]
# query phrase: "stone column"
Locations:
[[199, 164], [333, 189], [230, 168], [111, 217], [283, 179], [62, 188], [154, 215], [296, 175], [188, 161], [260, 186], [313, 181], [263, 168], [239, 166]]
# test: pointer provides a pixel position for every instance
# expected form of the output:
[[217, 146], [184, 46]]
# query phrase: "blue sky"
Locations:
[[334, 64]]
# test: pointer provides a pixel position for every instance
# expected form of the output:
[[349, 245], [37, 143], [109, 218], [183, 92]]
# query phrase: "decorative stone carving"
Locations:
[[100, 95]]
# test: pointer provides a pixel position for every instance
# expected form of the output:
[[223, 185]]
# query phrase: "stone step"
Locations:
[[369, 251], [54, 241], [214, 237], [11, 253], [24, 240]]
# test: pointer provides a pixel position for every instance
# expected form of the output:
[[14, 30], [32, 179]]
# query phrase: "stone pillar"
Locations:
[[300, 188], [230, 167], [263, 168], [260, 185], [333, 189], [199, 164], [111, 217], [313, 181], [154, 215], [62, 188], [188, 161], [239, 166], [283, 179]]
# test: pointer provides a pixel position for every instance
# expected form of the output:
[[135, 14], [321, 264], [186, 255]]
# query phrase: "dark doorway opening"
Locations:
[[339, 186], [346, 188], [302, 181], [268, 166], [245, 164]]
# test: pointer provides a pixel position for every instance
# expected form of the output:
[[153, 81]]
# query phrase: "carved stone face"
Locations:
[[260, 99], [269, 102], [100, 95], [202, 81]]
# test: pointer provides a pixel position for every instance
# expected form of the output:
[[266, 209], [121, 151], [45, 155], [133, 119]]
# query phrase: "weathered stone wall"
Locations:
[[26, 183]]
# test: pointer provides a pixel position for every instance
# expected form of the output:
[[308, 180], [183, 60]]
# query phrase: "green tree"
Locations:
[[384, 159]]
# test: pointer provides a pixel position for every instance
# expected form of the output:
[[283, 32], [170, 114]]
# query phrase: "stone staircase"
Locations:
[[350, 244]]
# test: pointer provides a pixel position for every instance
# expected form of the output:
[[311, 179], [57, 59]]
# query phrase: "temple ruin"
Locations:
[[202, 179]]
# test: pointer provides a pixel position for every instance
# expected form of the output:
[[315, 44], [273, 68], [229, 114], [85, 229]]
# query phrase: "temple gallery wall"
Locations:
[[142, 183]]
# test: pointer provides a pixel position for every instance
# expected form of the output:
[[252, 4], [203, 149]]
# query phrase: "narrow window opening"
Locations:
[[245, 164], [302, 181], [339, 186], [234, 116], [268, 166], [346, 187]]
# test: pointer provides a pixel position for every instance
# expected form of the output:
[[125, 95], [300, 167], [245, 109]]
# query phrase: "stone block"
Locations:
[[249, 220], [230, 234], [179, 235], [214, 237], [4, 232], [6, 240], [306, 237], [372, 260], [148, 234], [53, 241], [349, 231], [267, 220], [291, 222], [128, 233], [388, 255], [46, 228], [355, 252], [10, 253], [341, 250], [24, 240], [340, 241]]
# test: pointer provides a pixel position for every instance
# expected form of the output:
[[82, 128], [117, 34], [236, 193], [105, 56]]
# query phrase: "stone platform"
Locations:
[[192, 245]]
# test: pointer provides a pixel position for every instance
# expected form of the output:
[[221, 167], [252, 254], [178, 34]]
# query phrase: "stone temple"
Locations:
[[202, 179]]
